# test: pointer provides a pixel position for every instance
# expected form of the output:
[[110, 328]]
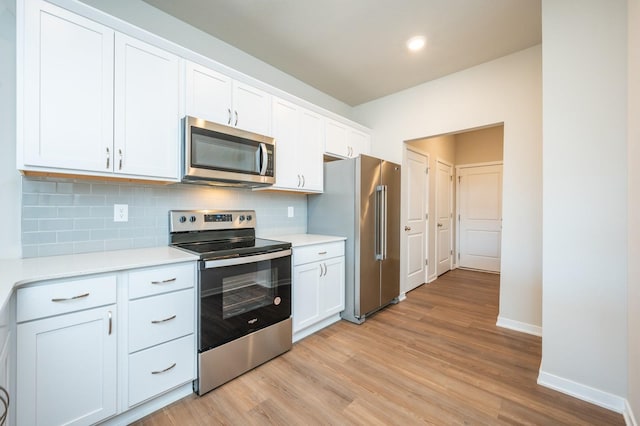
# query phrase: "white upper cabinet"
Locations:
[[68, 90], [298, 133], [344, 141], [216, 97], [77, 75], [147, 113], [208, 94]]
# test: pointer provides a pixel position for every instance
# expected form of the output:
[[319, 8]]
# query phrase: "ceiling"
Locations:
[[354, 50]]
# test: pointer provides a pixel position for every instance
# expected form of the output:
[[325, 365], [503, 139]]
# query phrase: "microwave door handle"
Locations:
[[264, 159]]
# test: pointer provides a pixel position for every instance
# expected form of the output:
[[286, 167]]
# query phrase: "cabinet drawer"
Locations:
[[65, 296], [147, 282], [161, 368], [160, 318], [317, 252]]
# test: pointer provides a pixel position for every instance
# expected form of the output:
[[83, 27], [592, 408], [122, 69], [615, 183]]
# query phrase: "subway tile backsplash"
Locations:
[[74, 216]]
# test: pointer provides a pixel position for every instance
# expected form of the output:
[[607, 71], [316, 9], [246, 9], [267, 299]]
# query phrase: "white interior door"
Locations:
[[415, 222], [444, 180], [480, 230]]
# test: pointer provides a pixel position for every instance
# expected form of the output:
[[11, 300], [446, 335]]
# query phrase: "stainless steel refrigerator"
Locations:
[[361, 201]]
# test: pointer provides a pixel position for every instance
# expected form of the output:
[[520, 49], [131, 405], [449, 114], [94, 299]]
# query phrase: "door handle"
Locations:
[[407, 228], [264, 159], [440, 225]]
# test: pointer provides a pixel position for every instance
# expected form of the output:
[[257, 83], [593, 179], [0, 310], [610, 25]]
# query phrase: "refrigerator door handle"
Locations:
[[384, 222], [381, 222]]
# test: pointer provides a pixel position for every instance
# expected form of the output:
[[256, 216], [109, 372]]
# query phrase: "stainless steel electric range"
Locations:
[[244, 288]]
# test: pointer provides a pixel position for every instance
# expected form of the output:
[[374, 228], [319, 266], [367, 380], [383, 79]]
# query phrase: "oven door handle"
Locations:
[[246, 259]]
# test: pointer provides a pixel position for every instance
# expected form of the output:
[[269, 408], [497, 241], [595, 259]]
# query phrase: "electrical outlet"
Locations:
[[120, 212], [290, 211]]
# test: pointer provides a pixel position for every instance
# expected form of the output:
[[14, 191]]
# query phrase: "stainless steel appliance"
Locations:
[[215, 154], [361, 201], [244, 288]]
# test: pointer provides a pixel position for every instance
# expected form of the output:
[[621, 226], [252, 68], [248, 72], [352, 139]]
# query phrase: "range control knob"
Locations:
[[249, 217], [192, 219], [182, 219], [241, 218]]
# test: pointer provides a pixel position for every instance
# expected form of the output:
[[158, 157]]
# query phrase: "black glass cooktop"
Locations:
[[233, 247]]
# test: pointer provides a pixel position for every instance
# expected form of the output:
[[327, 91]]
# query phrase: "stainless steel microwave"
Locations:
[[216, 154]]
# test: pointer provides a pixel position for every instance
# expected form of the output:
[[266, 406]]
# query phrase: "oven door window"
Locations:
[[237, 300], [248, 291]]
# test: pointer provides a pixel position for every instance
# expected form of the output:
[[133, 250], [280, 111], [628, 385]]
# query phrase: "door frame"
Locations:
[[403, 211], [452, 230], [457, 178]]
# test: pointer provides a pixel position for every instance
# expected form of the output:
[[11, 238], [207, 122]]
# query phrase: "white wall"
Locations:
[[633, 197], [10, 189], [159, 23], [585, 198], [507, 90]]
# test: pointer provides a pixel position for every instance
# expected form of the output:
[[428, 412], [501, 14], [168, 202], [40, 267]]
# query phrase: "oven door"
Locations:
[[241, 295]]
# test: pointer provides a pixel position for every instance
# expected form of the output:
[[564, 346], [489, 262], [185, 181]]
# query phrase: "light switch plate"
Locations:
[[120, 212], [290, 211]]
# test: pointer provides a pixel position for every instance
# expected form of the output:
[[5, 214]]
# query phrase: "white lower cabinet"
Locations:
[[161, 324], [66, 368], [318, 287], [88, 351], [160, 368]]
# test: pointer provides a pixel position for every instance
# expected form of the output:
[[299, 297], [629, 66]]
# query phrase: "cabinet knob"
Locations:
[[407, 228]]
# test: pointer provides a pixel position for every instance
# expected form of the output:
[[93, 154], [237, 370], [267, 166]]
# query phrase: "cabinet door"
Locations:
[[68, 90], [306, 295], [336, 139], [285, 131], [251, 109], [309, 149], [147, 110], [332, 287], [66, 373], [359, 142], [208, 94]]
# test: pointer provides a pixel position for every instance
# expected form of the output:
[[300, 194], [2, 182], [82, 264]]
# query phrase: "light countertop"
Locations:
[[18, 272], [299, 240]]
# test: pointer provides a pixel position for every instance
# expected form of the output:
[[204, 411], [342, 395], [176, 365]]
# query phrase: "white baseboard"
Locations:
[[432, 278], [315, 327], [629, 418], [519, 326], [402, 297], [151, 406], [586, 393]]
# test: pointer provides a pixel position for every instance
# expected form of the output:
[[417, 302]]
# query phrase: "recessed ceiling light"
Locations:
[[416, 43]]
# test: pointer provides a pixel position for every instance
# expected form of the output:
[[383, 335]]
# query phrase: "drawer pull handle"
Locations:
[[322, 252], [165, 370], [64, 299], [170, 280], [163, 320], [110, 323]]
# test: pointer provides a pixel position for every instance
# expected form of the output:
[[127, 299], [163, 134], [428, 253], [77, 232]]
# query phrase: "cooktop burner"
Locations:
[[218, 233]]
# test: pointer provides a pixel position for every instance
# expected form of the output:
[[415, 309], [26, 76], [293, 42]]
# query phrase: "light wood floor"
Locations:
[[435, 358]]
